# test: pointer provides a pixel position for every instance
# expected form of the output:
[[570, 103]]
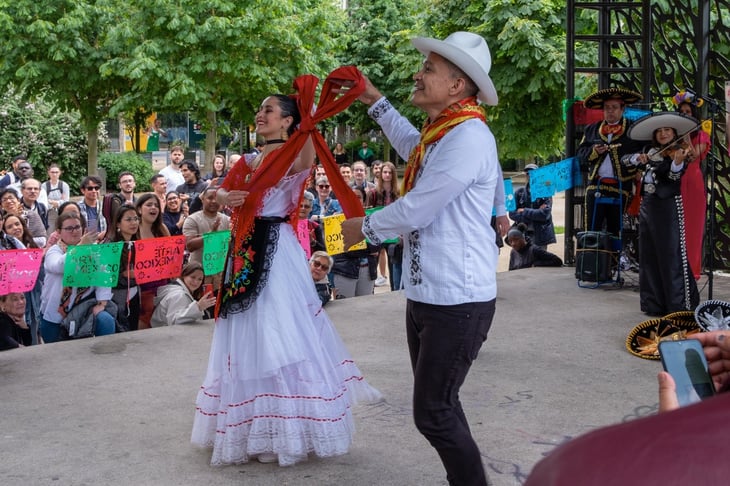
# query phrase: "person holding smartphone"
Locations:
[[689, 434], [716, 345], [184, 300]]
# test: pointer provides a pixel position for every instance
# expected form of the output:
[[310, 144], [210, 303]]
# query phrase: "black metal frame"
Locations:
[[638, 48]]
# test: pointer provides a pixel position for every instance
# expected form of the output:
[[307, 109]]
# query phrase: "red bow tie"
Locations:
[[616, 129]]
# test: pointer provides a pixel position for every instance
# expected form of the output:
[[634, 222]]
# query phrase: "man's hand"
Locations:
[[503, 225], [352, 232], [369, 96]]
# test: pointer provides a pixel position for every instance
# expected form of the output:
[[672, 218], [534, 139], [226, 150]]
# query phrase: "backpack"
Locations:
[[106, 206]]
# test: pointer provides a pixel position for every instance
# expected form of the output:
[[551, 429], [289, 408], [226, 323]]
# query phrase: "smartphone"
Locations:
[[685, 361], [207, 288]]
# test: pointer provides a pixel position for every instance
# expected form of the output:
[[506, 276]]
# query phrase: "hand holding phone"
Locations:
[[685, 361]]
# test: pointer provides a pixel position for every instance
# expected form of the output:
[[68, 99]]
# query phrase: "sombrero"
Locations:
[[596, 100], [713, 315], [470, 53], [643, 128], [643, 340]]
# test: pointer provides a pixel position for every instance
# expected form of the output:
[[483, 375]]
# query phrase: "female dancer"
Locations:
[[280, 382]]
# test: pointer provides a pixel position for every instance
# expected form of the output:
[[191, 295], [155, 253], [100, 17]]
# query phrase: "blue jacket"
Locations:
[[331, 206], [539, 220]]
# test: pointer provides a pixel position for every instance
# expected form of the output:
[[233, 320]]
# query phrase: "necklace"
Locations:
[[276, 140]]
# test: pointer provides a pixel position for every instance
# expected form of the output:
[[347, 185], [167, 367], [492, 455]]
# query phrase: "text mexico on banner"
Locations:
[[19, 269], [158, 258], [333, 235], [215, 249], [92, 265]]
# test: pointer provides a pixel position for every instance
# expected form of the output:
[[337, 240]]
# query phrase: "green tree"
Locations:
[[527, 43], [220, 55], [56, 48], [378, 43], [44, 133]]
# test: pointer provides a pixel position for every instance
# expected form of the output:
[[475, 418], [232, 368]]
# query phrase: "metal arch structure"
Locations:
[[655, 48]]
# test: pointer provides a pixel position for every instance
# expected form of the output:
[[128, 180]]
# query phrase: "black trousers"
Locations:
[[443, 342]]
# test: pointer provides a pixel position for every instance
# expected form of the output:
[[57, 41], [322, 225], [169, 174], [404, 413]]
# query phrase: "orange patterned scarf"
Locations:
[[449, 118]]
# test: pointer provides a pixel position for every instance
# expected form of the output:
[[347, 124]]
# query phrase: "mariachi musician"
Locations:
[[600, 152]]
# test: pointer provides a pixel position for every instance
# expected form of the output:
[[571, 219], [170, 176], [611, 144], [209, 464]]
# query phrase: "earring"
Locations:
[[284, 136]]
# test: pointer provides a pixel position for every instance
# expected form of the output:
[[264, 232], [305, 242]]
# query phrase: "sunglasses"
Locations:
[[92, 188], [323, 186], [317, 264]]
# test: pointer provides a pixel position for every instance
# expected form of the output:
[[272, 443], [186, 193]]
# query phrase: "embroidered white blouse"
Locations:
[[450, 253]]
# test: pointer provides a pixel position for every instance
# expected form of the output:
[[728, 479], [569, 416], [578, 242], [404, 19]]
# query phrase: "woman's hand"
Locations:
[[233, 198], [206, 301], [89, 238]]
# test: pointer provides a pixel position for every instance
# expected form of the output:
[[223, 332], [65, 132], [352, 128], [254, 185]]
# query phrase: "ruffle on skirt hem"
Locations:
[[279, 379]]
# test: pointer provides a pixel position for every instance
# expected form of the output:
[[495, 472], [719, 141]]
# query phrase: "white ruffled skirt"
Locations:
[[279, 378]]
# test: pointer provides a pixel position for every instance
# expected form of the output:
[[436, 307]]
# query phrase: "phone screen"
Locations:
[[685, 361]]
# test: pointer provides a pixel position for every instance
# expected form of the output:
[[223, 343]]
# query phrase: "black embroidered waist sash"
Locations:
[[247, 271]]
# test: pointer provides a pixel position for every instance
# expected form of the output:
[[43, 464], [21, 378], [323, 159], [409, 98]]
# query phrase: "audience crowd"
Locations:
[[45, 215]]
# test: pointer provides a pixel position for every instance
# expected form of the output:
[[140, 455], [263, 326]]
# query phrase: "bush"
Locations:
[[116, 163]]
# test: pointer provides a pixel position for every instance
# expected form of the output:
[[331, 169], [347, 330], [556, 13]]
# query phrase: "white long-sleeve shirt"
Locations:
[[450, 253]]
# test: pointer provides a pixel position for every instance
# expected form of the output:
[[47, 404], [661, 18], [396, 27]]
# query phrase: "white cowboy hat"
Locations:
[[470, 53], [643, 128]]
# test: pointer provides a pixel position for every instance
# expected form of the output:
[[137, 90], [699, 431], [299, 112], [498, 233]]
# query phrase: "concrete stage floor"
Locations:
[[118, 410]]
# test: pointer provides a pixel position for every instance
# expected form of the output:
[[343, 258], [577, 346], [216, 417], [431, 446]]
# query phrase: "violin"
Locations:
[[681, 147]]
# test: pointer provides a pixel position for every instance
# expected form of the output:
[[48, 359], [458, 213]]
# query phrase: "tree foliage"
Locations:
[[56, 48], [44, 133], [116, 163], [220, 55], [378, 43], [526, 39]]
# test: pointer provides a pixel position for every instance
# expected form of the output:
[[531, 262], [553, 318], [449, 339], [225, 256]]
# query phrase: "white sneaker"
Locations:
[[381, 282]]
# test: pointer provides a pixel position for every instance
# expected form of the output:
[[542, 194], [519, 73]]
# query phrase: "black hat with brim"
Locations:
[[596, 100], [643, 340]]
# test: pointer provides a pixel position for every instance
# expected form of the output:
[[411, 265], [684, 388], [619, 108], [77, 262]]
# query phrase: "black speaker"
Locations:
[[593, 258]]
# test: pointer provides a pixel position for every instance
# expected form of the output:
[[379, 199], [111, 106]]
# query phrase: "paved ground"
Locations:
[[117, 410]]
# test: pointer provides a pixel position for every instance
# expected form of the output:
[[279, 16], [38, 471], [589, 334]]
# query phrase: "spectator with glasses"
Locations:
[[30, 199], [324, 204], [91, 206], [15, 174], [316, 236], [10, 203], [57, 192], [126, 293], [175, 213], [319, 264], [57, 300]]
